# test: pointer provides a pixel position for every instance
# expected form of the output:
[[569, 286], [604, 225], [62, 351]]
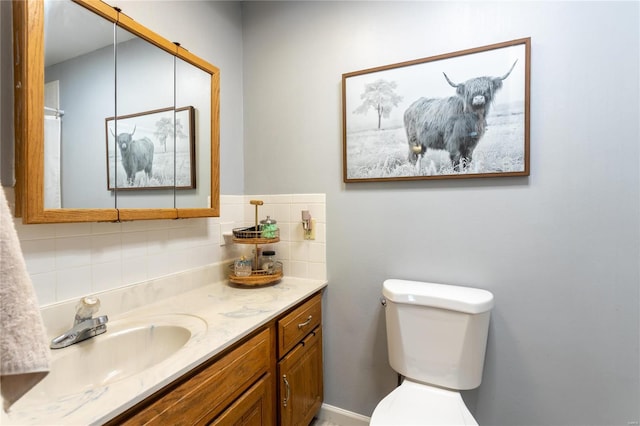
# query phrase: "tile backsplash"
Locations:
[[67, 261]]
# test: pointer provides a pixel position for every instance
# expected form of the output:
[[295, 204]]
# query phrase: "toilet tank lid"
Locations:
[[455, 298]]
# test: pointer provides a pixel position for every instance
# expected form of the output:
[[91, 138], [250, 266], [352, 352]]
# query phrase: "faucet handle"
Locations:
[[87, 307]]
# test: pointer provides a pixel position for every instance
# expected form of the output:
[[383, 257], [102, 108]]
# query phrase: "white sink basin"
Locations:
[[127, 348]]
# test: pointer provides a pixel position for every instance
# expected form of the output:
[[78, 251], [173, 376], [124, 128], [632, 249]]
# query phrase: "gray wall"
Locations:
[[559, 249]]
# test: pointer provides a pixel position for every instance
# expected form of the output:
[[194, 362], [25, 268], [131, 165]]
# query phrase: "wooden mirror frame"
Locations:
[[28, 51]]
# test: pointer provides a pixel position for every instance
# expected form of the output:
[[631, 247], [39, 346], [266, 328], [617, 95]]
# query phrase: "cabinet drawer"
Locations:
[[253, 408], [204, 395], [293, 327]]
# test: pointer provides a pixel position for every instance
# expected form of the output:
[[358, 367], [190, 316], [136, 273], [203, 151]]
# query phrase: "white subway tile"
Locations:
[[317, 271], [317, 252], [34, 232], [321, 232], [105, 276], [179, 238], [226, 200], [45, 286], [283, 250], [282, 213], [284, 231], [300, 251], [39, 255], [135, 226], [72, 229], [72, 252], [157, 241], [295, 232], [106, 227], [73, 283], [134, 269], [280, 198], [106, 248], [160, 264], [298, 269], [134, 244]]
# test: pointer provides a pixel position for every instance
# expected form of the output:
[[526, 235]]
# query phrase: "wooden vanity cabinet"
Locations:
[[238, 387], [300, 388]]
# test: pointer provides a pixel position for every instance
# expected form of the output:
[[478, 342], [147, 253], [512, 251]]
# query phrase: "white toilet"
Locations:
[[436, 339]]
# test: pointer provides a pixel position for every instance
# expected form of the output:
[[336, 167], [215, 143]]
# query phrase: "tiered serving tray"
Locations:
[[254, 235]]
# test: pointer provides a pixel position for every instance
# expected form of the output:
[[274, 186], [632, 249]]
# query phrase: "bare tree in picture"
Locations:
[[164, 128], [379, 96]]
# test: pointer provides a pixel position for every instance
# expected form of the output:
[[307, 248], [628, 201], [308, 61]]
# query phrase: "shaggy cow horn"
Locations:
[[452, 83], [507, 74], [134, 127]]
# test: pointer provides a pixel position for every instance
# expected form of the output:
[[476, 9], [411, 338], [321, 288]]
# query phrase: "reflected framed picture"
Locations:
[[152, 150], [456, 115]]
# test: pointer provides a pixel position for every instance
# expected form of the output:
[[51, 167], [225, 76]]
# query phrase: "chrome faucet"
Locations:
[[84, 325]]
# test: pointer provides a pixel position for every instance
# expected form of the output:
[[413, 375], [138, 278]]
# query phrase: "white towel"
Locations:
[[24, 350]]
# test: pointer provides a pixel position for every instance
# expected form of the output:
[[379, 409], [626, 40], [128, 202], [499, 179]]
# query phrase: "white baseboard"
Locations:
[[341, 417]]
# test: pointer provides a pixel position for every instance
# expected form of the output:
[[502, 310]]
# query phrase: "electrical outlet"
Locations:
[[311, 234]]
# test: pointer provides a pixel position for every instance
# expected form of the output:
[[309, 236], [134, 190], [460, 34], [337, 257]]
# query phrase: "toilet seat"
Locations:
[[418, 404]]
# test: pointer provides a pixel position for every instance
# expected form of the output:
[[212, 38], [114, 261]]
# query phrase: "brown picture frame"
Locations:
[[152, 133], [463, 114]]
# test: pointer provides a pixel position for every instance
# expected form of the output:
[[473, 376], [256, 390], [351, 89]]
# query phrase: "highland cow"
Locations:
[[455, 124], [137, 155]]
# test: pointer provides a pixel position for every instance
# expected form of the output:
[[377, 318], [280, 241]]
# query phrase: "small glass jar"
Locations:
[[268, 261], [242, 267], [269, 228]]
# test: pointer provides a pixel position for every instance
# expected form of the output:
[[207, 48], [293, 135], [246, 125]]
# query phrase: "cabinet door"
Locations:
[[300, 390], [253, 408]]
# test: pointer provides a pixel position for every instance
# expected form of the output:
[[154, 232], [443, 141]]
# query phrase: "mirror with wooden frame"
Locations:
[[173, 113]]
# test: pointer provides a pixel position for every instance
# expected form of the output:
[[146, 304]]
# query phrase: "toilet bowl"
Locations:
[[417, 404], [436, 339]]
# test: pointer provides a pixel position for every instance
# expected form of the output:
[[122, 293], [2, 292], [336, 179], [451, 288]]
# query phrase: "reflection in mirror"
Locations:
[[141, 159], [193, 89], [83, 192], [79, 87]]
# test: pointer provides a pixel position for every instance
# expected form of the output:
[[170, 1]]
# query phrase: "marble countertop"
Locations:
[[230, 313]]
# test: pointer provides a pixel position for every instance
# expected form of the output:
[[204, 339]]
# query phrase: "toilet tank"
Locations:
[[437, 333]]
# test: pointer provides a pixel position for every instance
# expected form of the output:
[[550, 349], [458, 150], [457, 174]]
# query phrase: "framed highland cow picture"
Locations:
[[152, 150], [457, 115]]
